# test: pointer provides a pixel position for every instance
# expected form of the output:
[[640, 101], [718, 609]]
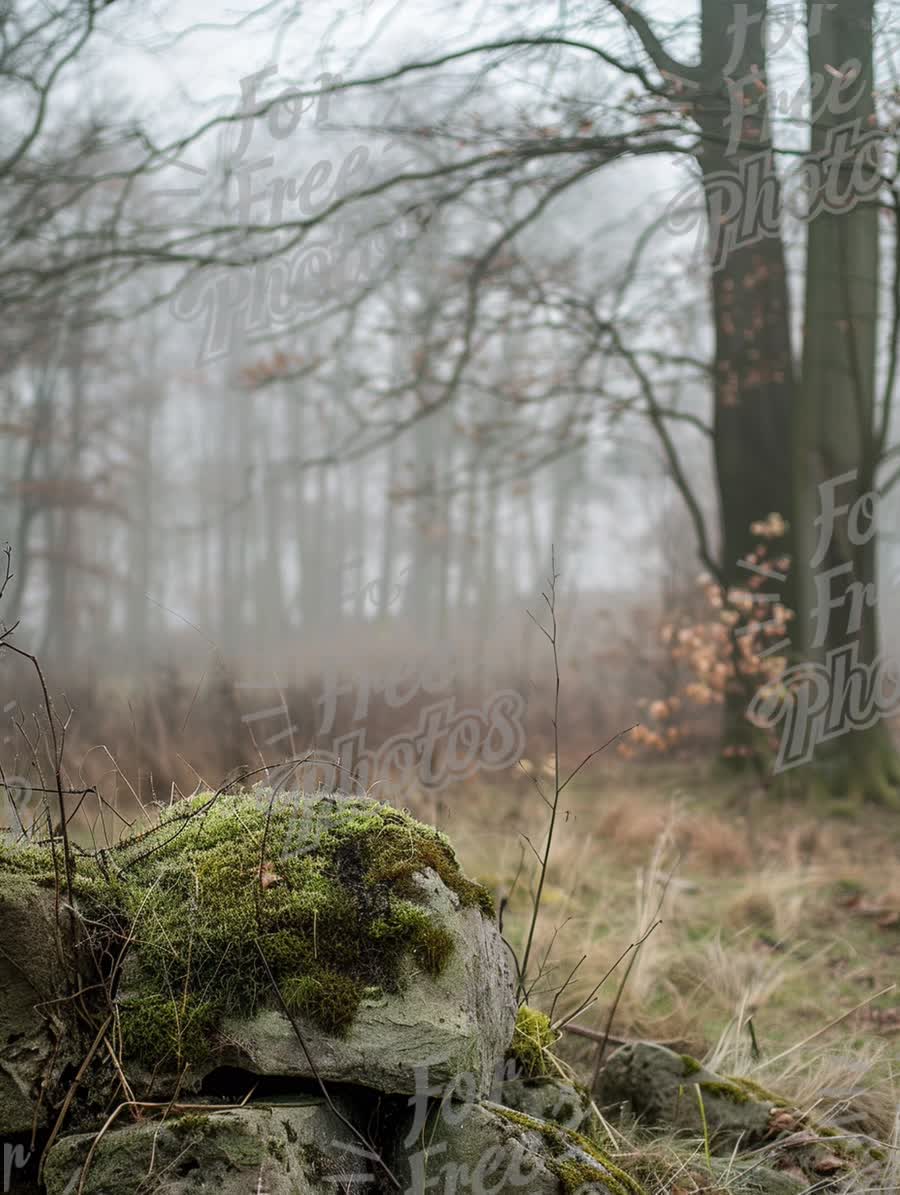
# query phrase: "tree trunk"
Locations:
[[835, 419], [384, 590], [30, 504], [754, 374], [144, 399]]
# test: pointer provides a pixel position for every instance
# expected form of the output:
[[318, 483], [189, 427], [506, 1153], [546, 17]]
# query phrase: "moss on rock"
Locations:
[[319, 890], [729, 1091], [158, 1029], [691, 1065], [574, 1159], [284, 1151], [532, 1039]]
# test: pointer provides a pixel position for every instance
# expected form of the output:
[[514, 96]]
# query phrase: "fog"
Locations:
[[300, 379]]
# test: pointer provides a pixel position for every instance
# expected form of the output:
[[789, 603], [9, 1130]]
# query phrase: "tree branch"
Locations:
[[656, 51]]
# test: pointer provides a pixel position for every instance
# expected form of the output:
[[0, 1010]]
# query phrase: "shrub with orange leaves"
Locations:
[[738, 648]]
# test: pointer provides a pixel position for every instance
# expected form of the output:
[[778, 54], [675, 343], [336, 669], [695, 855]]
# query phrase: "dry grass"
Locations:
[[774, 914]]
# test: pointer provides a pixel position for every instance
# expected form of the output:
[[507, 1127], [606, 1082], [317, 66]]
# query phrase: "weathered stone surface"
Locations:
[[280, 1150], [36, 1039], [460, 1021], [548, 1098], [482, 1147], [658, 1086]]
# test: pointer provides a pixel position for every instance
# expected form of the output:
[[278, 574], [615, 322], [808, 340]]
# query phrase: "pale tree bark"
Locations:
[[836, 420], [384, 590], [144, 400]]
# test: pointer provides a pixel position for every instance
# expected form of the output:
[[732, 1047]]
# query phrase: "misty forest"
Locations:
[[449, 597]]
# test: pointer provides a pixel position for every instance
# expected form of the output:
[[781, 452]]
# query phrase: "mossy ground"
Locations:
[[221, 891]]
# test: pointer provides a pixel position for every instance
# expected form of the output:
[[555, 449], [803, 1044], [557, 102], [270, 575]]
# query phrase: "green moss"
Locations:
[[755, 1091], [402, 848], [572, 1172], [409, 928], [691, 1065], [631, 1184], [324, 890], [532, 1038], [728, 1091], [190, 1124], [326, 998], [160, 1031], [523, 1120], [575, 1175]]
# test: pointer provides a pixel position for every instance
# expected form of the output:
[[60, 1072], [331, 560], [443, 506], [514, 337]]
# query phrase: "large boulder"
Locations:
[[309, 937], [280, 1150], [38, 1037]]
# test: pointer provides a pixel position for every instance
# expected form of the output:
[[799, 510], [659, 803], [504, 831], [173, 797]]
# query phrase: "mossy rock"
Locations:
[[488, 1147], [458, 1021], [253, 921], [666, 1090], [39, 1037], [660, 1087], [282, 1150], [547, 1098]]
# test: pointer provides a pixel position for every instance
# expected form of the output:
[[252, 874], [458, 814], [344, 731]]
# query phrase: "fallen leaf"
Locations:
[[828, 1164], [782, 1121], [268, 876]]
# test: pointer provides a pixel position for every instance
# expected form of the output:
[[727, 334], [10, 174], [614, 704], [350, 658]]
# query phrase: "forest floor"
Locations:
[[772, 915]]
